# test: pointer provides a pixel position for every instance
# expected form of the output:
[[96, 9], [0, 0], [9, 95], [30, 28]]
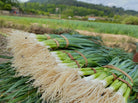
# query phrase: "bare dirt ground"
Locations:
[[112, 40]]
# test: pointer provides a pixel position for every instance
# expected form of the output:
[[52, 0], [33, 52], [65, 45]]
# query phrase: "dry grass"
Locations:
[[111, 40]]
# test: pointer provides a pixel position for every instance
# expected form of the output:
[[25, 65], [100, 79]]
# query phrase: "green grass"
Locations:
[[129, 30]]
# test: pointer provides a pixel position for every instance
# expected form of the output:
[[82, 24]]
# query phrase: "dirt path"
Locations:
[[112, 40]]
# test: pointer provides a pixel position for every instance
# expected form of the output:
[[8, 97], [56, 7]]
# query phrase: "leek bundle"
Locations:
[[34, 60], [87, 57], [68, 41], [52, 36], [94, 54], [73, 42], [106, 85], [60, 84], [80, 58]]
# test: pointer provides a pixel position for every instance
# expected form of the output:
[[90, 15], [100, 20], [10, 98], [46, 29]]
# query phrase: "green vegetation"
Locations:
[[130, 30], [131, 20], [64, 79], [73, 9], [78, 8], [16, 89], [7, 4]]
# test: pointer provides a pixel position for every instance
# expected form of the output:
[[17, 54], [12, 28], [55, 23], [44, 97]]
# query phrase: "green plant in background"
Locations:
[[130, 30], [2, 23], [131, 20]]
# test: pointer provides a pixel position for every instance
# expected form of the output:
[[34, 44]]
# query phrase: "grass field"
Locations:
[[129, 30]]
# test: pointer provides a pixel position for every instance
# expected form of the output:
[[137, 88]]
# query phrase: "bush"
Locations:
[[2, 23], [7, 6], [131, 20], [1, 5]]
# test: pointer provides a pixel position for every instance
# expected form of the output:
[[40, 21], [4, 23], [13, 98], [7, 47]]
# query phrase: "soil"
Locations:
[[112, 40]]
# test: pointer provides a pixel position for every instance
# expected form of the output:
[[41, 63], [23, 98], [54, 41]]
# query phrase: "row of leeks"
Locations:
[[52, 36], [16, 89], [97, 87], [98, 57], [74, 41], [94, 53], [61, 84], [87, 57], [105, 87]]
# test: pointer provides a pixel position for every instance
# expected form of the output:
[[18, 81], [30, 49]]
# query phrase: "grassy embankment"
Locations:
[[129, 30]]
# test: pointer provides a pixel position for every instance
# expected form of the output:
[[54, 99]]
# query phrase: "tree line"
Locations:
[[7, 4], [72, 8], [110, 11]]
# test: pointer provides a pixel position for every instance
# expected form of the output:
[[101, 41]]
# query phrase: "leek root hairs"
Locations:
[[54, 90], [29, 55], [107, 93], [96, 94], [79, 90], [118, 96]]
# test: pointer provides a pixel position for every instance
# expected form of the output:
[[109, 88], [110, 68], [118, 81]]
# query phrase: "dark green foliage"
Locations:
[[133, 20], [97, 10], [91, 47], [16, 89], [5, 57], [7, 4]]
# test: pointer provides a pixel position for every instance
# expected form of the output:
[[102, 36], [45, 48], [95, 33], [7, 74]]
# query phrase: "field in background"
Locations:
[[129, 30]]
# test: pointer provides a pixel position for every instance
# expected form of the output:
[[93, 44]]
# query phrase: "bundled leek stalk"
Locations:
[[87, 57], [53, 81], [76, 59], [94, 47], [93, 51], [34, 60], [69, 41], [52, 36], [106, 85], [16, 89]]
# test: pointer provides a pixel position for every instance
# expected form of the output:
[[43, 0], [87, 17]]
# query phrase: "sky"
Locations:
[[23, 0], [126, 4]]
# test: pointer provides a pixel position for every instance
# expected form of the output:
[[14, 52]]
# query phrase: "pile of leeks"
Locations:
[[18, 89]]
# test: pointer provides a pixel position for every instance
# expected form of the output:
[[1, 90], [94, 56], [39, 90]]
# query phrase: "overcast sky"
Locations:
[[126, 4], [23, 0]]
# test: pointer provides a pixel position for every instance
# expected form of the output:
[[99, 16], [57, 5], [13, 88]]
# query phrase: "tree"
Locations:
[[12, 2], [1, 5], [7, 6], [68, 12], [133, 20]]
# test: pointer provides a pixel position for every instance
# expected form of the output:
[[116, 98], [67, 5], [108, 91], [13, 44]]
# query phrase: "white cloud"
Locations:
[[23, 0], [110, 4], [126, 4]]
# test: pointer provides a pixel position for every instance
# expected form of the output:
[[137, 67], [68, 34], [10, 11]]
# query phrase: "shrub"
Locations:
[[2, 23], [131, 20]]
